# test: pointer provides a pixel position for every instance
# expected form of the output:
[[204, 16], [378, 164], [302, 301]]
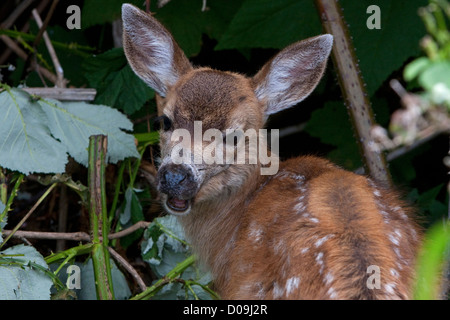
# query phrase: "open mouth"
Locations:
[[179, 206]]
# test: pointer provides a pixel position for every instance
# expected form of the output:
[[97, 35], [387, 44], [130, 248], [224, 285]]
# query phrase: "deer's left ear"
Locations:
[[293, 73]]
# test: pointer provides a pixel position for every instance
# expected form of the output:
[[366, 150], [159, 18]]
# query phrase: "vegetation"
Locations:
[[71, 164]]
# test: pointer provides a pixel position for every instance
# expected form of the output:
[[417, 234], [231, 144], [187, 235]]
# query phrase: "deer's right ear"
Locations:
[[151, 51]]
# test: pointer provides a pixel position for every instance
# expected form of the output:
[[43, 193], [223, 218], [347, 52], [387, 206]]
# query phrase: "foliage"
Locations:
[[163, 248], [40, 135], [23, 274]]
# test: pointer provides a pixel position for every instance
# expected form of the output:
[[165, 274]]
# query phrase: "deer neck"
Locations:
[[211, 227]]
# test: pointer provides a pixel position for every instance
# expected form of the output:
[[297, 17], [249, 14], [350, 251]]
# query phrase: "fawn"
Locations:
[[310, 231]]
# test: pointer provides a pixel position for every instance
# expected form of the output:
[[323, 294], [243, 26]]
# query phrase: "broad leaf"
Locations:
[[116, 83], [276, 24], [26, 144], [87, 280], [163, 248], [74, 122], [20, 279], [383, 51], [36, 135], [271, 24]]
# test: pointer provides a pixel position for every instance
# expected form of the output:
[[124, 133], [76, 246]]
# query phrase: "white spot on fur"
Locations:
[[314, 220], [394, 273], [279, 246], [277, 291], [323, 240], [255, 233], [300, 208], [328, 278], [332, 293], [319, 257], [389, 287], [292, 284], [304, 250]]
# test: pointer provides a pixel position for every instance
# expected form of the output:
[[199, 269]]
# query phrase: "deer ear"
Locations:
[[293, 73], [151, 51]]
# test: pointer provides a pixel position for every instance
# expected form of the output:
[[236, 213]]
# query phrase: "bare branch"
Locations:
[[60, 81], [127, 266]]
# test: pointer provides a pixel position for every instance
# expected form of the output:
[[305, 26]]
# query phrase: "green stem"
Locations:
[[112, 211], [99, 217], [172, 275], [11, 196], [3, 187], [72, 252]]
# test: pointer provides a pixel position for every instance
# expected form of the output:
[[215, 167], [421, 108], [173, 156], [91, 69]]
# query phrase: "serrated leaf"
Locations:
[[271, 24], [23, 282], [74, 122], [26, 144], [36, 135], [116, 83]]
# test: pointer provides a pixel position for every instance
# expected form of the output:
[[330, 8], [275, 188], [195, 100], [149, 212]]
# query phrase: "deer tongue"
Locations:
[[178, 204]]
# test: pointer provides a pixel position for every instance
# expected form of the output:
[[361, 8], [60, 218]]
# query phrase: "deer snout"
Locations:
[[179, 184]]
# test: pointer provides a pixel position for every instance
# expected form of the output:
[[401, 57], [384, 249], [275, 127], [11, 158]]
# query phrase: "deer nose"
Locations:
[[177, 181], [174, 178]]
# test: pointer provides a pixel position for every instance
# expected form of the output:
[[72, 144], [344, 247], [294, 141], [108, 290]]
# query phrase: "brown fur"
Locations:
[[312, 230]]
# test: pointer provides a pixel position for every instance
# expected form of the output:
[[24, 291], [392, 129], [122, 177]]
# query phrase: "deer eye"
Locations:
[[162, 122]]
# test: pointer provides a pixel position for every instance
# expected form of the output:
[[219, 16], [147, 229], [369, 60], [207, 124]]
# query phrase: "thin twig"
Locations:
[[23, 55], [127, 266], [60, 81], [29, 213], [74, 236], [15, 14]]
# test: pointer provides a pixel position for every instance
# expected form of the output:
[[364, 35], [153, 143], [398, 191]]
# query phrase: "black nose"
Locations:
[[172, 178], [177, 181]]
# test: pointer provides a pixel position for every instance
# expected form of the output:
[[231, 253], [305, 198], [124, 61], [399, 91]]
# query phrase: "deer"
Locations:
[[312, 230]]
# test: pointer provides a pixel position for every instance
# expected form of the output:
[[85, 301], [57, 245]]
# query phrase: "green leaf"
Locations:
[[74, 122], [27, 145], [164, 247], [102, 11], [433, 255], [187, 22], [271, 24], [332, 126], [131, 213], [37, 135], [87, 280], [116, 83], [413, 69], [382, 51], [19, 277], [438, 72]]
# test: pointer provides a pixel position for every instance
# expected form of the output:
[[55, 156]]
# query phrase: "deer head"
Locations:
[[221, 101]]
